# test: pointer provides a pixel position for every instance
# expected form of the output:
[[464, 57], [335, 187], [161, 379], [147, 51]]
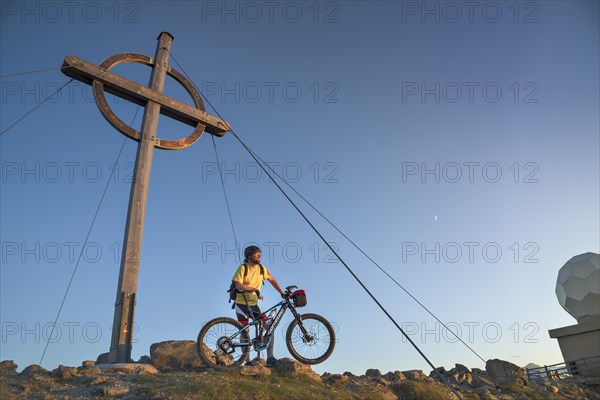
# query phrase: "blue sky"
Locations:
[[458, 146]]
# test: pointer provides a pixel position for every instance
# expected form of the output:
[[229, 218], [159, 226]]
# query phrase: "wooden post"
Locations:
[[120, 348]]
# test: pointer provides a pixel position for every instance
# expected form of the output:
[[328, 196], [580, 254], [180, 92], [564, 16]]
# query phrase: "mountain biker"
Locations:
[[249, 278]]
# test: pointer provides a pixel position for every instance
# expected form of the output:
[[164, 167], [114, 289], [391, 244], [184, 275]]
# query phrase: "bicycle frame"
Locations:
[[284, 305]]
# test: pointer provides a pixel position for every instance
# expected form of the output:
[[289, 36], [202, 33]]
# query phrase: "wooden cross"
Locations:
[[155, 102]]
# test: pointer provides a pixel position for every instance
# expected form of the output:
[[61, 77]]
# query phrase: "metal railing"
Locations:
[[582, 366]]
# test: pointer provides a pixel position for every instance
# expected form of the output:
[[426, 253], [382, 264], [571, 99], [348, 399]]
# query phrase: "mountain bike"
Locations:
[[310, 338]]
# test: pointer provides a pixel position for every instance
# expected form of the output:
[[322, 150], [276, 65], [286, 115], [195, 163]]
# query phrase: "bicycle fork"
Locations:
[[306, 336]]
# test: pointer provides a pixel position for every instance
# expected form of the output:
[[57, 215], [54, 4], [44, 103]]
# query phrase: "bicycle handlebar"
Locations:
[[288, 291], [290, 288]]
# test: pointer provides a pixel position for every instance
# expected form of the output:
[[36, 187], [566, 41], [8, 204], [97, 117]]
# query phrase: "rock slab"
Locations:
[[175, 355], [505, 374]]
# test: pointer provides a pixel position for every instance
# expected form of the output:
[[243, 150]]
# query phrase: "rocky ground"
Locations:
[[173, 371]]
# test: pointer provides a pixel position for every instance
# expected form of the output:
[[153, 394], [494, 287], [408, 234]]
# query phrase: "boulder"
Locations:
[[218, 357], [461, 368], [88, 363], [256, 361], [395, 376], [8, 367], [42, 379], [145, 360], [380, 380], [505, 374], [481, 379], [102, 358], [128, 368], [89, 371], [32, 370], [175, 355], [461, 374], [373, 373], [438, 373], [63, 372], [224, 359], [335, 379], [296, 368], [416, 375]]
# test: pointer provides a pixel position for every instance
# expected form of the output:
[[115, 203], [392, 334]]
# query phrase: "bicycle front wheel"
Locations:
[[220, 343], [311, 340]]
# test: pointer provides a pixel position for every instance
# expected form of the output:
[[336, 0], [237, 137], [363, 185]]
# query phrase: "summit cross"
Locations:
[[155, 103]]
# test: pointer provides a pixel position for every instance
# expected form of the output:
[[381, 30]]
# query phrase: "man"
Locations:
[[249, 279]]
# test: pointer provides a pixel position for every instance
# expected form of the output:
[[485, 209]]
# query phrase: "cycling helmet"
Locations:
[[250, 250]]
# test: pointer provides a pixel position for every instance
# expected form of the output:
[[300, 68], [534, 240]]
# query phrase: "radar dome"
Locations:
[[578, 286]]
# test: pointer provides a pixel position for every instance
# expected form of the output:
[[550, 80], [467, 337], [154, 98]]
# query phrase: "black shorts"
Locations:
[[243, 312]]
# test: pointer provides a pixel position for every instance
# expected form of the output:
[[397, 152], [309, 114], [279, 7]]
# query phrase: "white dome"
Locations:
[[578, 286]]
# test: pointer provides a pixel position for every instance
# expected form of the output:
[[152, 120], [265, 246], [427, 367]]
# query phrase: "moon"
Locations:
[[435, 217]]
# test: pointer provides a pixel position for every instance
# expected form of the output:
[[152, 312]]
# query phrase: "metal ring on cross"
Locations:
[[125, 129]]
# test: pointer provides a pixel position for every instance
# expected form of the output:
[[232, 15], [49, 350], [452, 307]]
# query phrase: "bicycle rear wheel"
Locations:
[[314, 345], [219, 346]]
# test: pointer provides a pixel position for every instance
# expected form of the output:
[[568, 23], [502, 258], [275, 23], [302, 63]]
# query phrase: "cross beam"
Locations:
[[155, 103], [87, 72]]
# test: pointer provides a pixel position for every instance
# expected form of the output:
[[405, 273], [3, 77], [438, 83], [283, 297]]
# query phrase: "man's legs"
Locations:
[[243, 312]]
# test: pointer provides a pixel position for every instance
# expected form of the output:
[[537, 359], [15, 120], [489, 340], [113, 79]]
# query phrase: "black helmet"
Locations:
[[250, 250]]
